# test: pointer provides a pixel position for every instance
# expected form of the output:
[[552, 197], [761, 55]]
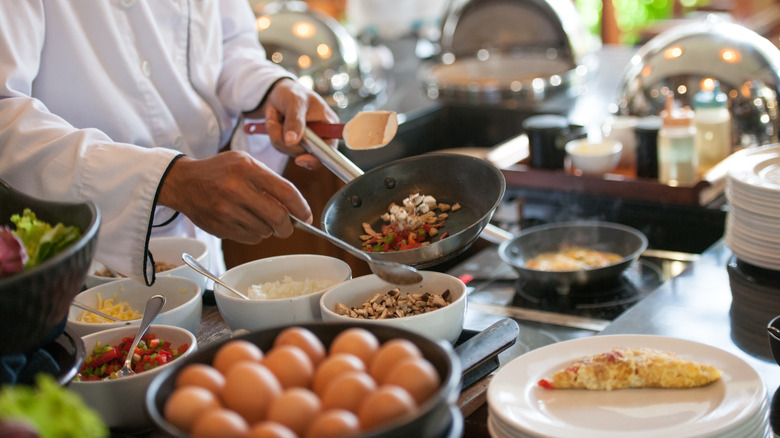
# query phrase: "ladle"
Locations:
[[154, 304], [190, 261], [97, 312], [367, 130], [390, 272]]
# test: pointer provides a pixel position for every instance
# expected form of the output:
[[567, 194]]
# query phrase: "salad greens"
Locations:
[[51, 409], [42, 240]]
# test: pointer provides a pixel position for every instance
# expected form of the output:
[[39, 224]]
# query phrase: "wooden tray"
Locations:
[[512, 158]]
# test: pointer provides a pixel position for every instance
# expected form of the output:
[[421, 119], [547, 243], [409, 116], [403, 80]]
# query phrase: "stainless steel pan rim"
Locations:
[[475, 184]]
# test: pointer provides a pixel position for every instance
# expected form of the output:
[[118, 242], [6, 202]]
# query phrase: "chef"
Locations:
[[128, 103]]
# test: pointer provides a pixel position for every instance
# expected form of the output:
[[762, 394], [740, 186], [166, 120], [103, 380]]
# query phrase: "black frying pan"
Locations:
[[475, 184]]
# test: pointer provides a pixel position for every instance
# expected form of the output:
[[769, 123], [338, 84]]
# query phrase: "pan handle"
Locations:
[[494, 234], [334, 160]]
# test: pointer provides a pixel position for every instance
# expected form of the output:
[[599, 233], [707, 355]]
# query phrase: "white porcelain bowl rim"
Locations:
[[226, 294]]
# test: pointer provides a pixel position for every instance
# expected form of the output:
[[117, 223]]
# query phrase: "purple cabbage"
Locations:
[[13, 255]]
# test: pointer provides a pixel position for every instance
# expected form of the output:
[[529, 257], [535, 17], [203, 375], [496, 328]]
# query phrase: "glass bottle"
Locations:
[[677, 159], [712, 120]]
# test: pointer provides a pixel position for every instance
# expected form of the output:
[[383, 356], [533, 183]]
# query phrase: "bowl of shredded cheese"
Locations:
[[125, 299], [281, 290]]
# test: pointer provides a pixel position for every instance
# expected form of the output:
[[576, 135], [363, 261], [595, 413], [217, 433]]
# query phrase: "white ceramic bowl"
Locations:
[[183, 303], [594, 157], [167, 250], [121, 402], [253, 315], [445, 323]]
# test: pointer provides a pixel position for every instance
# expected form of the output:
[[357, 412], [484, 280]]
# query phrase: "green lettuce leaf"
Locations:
[[51, 409], [41, 240]]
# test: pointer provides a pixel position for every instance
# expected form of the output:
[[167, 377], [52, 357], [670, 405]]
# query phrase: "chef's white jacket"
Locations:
[[98, 97]]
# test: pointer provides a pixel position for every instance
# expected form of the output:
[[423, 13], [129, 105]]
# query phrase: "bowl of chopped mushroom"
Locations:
[[435, 307]]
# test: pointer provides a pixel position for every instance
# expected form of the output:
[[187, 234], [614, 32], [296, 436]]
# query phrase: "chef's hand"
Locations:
[[233, 196], [287, 108]]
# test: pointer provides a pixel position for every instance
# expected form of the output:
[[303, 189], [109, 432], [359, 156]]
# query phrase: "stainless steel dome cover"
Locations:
[[317, 49], [676, 61], [513, 53]]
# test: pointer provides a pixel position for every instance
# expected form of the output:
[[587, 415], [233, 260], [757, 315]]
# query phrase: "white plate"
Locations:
[[515, 397], [758, 169]]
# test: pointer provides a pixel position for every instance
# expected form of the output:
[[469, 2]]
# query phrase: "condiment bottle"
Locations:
[[677, 160], [713, 126], [646, 131]]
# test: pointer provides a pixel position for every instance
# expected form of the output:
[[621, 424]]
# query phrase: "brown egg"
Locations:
[[304, 339], [250, 388], [358, 341], [290, 365], [186, 404], [200, 374], [332, 366], [334, 423], [389, 354], [387, 403], [233, 352], [347, 391], [220, 423], [417, 376], [295, 408], [270, 429]]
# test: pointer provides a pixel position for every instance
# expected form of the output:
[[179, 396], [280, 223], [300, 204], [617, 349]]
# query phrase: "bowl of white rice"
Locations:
[[282, 290]]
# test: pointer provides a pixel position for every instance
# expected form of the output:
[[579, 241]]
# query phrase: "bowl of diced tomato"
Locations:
[[120, 401]]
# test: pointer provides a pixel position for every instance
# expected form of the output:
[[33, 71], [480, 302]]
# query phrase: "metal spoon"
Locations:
[[390, 272], [154, 304], [190, 261], [97, 312]]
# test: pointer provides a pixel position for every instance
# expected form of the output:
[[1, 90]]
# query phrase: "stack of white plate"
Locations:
[[753, 195], [734, 406]]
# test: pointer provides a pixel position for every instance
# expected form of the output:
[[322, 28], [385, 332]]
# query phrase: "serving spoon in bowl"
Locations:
[[391, 272], [75, 303], [154, 304], [192, 263]]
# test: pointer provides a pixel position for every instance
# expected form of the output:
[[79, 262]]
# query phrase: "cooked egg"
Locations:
[[270, 429], [290, 365], [249, 390], [220, 423], [417, 376], [304, 339], [334, 423], [200, 374], [387, 403], [347, 391], [295, 408], [358, 341], [233, 352], [186, 404], [332, 367], [389, 354]]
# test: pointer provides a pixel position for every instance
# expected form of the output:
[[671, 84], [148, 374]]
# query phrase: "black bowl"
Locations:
[[432, 419], [595, 235], [774, 338], [34, 303]]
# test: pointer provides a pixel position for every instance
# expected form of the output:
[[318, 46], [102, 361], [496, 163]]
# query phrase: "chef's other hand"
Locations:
[[233, 196], [288, 106]]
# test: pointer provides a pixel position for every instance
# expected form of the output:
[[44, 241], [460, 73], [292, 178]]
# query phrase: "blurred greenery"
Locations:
[[631, 15]]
